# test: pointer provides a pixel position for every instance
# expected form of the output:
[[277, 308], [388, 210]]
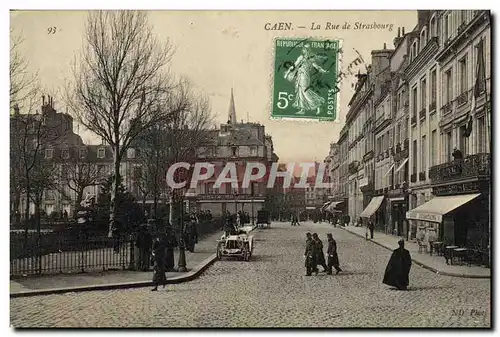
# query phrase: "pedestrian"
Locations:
[[310, 256], [398, 268], [371, 228], [333, 257], [320, 255], [158, 257], [170, 247], [143, 244]]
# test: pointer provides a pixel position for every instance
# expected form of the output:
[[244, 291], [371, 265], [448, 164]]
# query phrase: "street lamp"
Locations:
[[252, 192], [181, 265]]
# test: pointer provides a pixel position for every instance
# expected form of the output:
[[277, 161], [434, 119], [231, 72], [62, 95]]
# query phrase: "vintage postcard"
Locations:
[[251, 169]]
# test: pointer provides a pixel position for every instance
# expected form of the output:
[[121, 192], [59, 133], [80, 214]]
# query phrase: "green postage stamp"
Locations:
[[305, 79]]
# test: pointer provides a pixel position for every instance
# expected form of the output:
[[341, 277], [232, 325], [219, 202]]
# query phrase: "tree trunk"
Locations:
[[113, 212], [38, 233], [27, 209], [79, 197]]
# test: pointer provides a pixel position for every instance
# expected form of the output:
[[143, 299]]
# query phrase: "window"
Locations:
[[234, 151], [481, 139], [433, 147], [433, 85], [100, 153], [463, 141], [423, 93], [83, 153], [423, 39], [49, 153], [253, 151], [423, 155], [448, 90], [398, 132], [414, 102], [433, 27], [414, 156], [446, 28], [49, 195], [131, 153], [103, 170], [462, 64], [449, 145], [65, 153]]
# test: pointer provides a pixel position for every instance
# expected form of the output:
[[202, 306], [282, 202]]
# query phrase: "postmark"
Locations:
[[305, 79]]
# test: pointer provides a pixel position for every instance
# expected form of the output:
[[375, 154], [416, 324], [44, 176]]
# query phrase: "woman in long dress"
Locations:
[[159, 254], [306, 98]]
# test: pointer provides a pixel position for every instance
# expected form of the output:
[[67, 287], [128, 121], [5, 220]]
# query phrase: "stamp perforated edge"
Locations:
[[272, 58]]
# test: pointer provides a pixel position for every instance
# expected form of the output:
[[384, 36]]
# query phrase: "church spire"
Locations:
[[232, 110]]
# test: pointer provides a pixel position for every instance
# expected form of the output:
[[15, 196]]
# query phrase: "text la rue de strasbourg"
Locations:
[[330, 26]]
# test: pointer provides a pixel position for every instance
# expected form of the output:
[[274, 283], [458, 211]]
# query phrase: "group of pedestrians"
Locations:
[[314, 255]]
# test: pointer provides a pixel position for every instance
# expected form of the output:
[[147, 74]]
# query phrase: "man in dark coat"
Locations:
[[333, 257], [310, 255], [159, 250], [190, 235], [320, 255], [371, 228], [143, 244], [170, 247], [398, 268]]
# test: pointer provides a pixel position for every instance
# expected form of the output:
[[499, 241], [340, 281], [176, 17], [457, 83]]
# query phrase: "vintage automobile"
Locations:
[[238, 245], [263, 219]]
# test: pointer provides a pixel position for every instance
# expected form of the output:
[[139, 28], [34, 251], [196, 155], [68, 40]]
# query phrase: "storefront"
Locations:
[[455, 218], [375, 212]]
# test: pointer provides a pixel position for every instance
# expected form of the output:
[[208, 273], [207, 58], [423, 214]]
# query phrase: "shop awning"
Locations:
[[372, 207], [402, 164], [331, 207], [389, 170], [434, 209]]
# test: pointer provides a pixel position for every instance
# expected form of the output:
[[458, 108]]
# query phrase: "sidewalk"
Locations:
[[196, 263], [434, 263]]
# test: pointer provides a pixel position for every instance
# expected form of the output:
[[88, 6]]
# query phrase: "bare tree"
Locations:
[[21, 80], [188, 131], [172, 141], [77, 173], [34, 134], [121, 83]]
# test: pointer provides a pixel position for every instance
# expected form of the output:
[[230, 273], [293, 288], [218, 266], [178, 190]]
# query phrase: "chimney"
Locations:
[[397, 40], [403, 31], [43, 100], [385, 46]]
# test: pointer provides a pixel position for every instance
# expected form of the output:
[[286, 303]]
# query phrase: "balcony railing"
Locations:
[[432, 106], [477, 165], [463, 98], [445, 109], [353, 166], [413, 178], [413, 119], [422, 113], [421, 176]]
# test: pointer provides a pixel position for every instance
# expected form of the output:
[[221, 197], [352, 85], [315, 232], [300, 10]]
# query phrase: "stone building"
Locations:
[[459, 207]]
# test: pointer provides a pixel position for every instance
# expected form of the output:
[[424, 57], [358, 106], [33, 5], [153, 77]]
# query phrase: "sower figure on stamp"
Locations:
[[310, 255], [301, 72], [320, 256], [159, 251], [398, 268], [333, 257]]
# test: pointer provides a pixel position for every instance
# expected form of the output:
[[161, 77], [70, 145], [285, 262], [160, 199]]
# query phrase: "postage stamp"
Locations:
[[305, 79]]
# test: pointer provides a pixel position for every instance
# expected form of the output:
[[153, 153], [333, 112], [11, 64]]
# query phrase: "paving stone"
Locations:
[[272, 291]]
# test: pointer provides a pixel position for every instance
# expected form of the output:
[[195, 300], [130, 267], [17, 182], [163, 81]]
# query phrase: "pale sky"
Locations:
[[220, 50]]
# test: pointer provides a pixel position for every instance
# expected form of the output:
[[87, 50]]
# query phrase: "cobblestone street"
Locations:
[[272, 291]]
